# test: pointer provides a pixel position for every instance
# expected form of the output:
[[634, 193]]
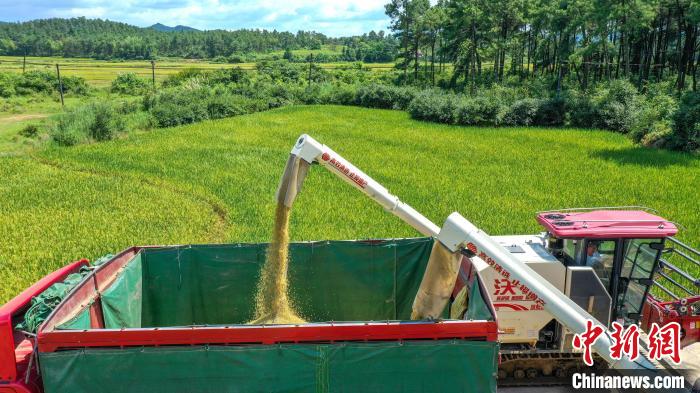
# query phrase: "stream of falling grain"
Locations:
[[272, 305]]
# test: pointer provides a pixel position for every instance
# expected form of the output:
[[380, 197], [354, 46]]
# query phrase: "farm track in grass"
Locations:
[[215, 206], [496, 177], [51, 216]]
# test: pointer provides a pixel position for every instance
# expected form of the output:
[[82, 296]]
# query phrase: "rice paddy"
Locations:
[[215, 182], [101, 73]]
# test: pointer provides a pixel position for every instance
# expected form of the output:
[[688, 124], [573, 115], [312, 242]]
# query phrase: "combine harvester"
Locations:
[[397, 317]]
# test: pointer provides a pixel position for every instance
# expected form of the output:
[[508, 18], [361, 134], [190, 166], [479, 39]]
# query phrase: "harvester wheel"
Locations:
[[519, 373], [531, 373], [502, 374], [560, 372]]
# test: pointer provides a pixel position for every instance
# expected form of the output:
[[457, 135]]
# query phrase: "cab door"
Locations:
[[638, 265]]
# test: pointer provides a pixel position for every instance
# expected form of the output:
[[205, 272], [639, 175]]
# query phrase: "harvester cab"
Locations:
[[622, 248]]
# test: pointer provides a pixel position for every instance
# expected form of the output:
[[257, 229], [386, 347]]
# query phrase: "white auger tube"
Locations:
[[458, 234], [308, 149]]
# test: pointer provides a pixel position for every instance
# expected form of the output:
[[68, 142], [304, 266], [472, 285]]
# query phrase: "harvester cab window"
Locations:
[[600, 255], [572, 252], [635, 276]]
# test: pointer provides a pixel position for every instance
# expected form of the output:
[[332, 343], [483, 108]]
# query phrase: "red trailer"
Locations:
[[173, 319]]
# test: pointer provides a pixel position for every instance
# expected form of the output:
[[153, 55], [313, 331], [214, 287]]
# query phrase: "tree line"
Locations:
[[587, 41], [103, 39]]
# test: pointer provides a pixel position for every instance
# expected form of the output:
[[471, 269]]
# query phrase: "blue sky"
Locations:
[[333, 17]]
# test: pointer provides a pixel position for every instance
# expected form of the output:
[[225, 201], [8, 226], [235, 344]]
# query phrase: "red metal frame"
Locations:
[[663, 312], [87, 293], [14, 348], [242, 334]]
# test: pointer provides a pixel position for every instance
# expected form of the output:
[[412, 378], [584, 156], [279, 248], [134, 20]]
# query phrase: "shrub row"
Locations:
[[438, 106], [172, 107], [39, 82], [654, 119]]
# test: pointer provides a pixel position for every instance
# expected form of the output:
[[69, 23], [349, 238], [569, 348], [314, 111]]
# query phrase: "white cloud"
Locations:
[[332, 17]]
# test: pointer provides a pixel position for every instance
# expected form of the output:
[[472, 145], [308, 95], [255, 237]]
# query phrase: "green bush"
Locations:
[[172, 107], [376, 96], [327, 93], [657, 134], [653, 123], [75, 85], [385, 96], [312, 95], [227, 75], [581, 109], [236, 59], [686, 124], [522, 112], [35, 81], [342, 95], [30, 131], [39, 82], [433, 105], [179, 78], [107, 123], [68, 132], [7, 84], [478, 111], [552, 112], [503, 96], [286, 72], [275, 94], [616, 106], [227, 105], [97, 121], [127, 107], [130, 83]]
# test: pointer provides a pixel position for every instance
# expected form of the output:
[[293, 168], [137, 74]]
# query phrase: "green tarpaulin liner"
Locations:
[[415, 366], [477, 309], [215, 284], [43, 304]]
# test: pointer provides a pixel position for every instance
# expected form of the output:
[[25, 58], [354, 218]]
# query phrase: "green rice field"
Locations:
[[101, 73], [215, 182]]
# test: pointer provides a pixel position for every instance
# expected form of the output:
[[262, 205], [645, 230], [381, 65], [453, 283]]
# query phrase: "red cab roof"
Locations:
[[602, 224]]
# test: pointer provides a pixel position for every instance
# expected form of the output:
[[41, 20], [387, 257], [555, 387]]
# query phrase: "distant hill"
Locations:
[[105, 39], [167, 29]]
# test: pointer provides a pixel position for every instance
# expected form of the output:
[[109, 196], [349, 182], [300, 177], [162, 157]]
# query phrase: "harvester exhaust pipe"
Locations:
[[457, 235]]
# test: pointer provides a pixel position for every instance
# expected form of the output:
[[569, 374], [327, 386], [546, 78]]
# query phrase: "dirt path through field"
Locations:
[[16, 118]]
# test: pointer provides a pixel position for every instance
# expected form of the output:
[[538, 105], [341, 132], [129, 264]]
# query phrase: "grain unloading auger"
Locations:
[[457, 235]]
